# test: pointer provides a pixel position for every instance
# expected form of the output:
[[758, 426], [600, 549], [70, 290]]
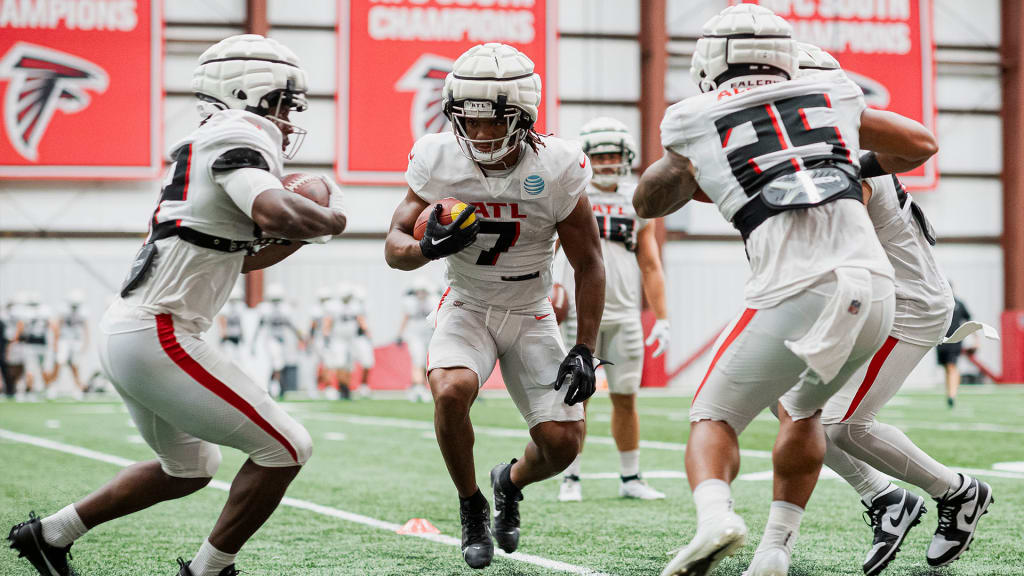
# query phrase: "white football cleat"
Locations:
[[716, 539], [636, 488], [959, 514], [571, 490], [771, 562]]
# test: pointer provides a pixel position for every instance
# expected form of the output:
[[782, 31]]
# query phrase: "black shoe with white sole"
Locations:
[[477, 547], [183, 569], [959, 514], [27, 539], [506, 510], [891, 515]]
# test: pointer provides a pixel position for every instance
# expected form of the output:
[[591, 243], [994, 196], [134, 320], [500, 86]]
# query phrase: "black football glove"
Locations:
[[577, 371], [440, 241]]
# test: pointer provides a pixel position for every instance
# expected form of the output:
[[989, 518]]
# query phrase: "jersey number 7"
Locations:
[[773, 137], [508, 234]]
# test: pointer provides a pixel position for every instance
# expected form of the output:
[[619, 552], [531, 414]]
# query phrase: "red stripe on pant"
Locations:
[[177, 354], [873, 368], [748, 314]]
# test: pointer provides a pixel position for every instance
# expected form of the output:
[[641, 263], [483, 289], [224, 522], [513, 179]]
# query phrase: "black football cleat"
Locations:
[[506, 511], [183, 569], [891, 515], [477, 547], [959, 514], [27, 539]]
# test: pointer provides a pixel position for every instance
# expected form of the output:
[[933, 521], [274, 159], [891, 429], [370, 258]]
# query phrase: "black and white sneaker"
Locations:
[[506, 511], [477, 548], [27, 539], [183, 569], [959, 514], [891, 515]]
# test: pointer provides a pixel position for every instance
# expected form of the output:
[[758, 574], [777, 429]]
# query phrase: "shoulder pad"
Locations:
[[240, 158]]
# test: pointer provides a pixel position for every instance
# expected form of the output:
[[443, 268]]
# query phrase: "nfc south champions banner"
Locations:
[[80, 88], [392, 61], [885, 46]]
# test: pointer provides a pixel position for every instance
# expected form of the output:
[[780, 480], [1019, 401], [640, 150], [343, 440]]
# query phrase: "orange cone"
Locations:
[[418, 526]]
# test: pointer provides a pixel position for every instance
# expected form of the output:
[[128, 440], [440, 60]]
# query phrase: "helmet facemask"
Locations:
[[276, 107], [609, 174], [489, 150]]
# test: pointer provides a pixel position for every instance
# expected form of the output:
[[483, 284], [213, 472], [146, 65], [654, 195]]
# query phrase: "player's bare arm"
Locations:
[[665, 186], [898, 144], [582, 245], [268, 256], [284, 214], [401, 250], [649, 259]]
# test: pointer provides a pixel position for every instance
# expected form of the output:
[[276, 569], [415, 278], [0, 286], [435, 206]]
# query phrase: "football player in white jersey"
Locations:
[[37, 337], [362, 344], [415, 331], [779, 158], [280, 339], [230, 324], [860, 446], [185, 396], [521, 188], [72, 335], [631, 260], [319, 339]]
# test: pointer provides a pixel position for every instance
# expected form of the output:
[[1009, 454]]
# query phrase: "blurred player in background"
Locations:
[[631, 261], [37, 338], [362, 344], [72, 334], [521, 188], [319, 339], [344, 329], [948, 354], [861, 449], [221, 194], [779, 158], [415, 331], [14, 357], [232, 335], [280, 340]]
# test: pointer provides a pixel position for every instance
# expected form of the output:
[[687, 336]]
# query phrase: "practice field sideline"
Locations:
[[376, 465]]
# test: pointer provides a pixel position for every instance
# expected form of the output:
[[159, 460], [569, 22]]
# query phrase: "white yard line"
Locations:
[[304, 505], [493, 431]]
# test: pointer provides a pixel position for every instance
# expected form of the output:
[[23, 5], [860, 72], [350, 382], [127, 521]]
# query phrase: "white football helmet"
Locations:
[[76, 297], [604, 135], [813, 59], [323, 294], [345, 291], [275, 293], [256, 74], [743, 40], [492, 81]]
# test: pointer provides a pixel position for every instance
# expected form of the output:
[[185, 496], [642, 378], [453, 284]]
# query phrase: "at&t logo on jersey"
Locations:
[[42, 81], [533, 185]]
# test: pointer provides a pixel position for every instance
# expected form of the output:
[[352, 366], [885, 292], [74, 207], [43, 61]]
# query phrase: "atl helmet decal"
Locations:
[[42, 80], [426, 78]]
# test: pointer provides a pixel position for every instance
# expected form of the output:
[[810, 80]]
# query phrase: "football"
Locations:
[[309, 186], [560, 302], [451, 208]]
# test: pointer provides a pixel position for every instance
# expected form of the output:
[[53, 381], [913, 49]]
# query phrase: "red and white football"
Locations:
[[560, 302], [309, 186], [451, 208]]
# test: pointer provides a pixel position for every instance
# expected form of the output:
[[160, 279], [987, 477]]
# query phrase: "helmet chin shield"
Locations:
[[487, 150]]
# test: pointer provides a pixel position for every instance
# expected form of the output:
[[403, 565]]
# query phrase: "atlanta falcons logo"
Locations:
[[426, 79], [41, 81]]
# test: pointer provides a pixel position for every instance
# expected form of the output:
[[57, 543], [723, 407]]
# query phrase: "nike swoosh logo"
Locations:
[[43, 554], [436, 241], [583, 163], [542, 317]]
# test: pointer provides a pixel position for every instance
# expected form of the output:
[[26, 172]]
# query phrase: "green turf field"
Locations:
[[378, 459]]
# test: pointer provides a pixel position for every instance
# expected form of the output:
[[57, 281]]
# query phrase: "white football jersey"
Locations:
[[346, 319], [509, 265], [36, 328], [275, 319], [190, 282], [417, 327], [618, 226], [741, 140], [924, 300], [72, 324]]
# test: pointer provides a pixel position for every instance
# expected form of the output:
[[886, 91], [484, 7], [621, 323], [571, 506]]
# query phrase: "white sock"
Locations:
[[64, 527], [782, 528], [209, 561], [574, 468], [712, 497], [629, 463]]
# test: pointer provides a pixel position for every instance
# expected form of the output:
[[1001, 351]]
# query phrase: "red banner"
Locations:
[[885, 47], [82, 88], [393, 58]]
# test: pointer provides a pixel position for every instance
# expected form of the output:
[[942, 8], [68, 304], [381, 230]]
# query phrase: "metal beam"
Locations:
[[653, 68], [255, 23], [1013, 153]]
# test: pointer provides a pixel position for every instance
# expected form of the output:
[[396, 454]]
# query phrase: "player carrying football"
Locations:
[[185, 396], [779, 158], [521, 188]]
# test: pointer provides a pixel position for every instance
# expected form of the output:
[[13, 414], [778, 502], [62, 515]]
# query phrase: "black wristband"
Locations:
[[869, 166]]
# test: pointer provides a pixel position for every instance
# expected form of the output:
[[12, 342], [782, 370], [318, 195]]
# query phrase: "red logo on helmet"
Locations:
[[42, 81]]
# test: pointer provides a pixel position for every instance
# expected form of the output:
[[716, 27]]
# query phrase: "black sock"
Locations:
[[506, 481], [477, 500]]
